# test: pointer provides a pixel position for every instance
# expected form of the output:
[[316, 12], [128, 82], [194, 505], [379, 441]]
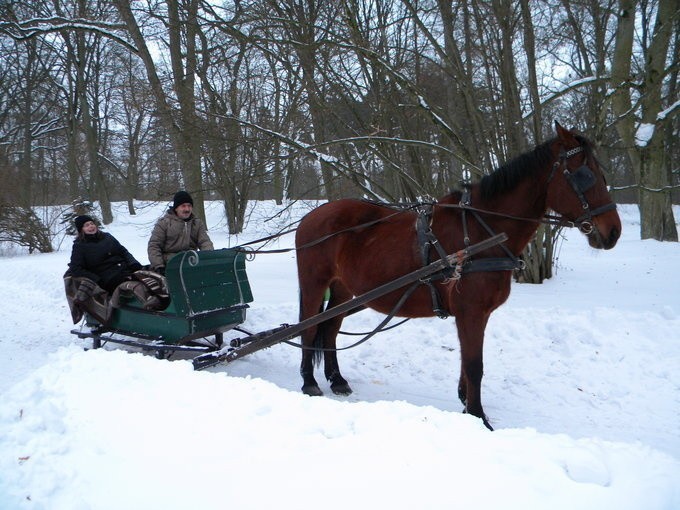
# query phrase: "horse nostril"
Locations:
[[614, 234]]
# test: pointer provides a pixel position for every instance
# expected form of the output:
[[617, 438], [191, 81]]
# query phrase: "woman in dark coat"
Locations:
[[99, 256]]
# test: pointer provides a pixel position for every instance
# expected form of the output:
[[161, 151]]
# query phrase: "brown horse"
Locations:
[[353, 246]]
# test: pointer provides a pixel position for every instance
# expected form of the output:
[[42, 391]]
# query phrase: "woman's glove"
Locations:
[[85, 291]]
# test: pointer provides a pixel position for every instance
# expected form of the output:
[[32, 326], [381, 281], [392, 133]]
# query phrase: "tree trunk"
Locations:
[[530, 50], [656, 212], [26, 167], [100, 190], [184, 133], [512, 114], [183, 59], [645, 140]]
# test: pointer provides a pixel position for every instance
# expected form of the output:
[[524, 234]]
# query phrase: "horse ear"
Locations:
[[562, 133]]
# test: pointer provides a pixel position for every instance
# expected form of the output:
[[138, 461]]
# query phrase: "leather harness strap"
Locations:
[[427, 240], [488, 264], [508, 263]]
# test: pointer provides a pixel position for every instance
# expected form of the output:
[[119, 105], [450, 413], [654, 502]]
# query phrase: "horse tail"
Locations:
[[319, 340], [320, 335]]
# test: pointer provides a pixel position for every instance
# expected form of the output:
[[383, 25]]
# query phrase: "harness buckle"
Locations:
[[465, 198]]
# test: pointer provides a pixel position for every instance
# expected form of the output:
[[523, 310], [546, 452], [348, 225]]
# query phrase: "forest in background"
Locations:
[[394, 100]]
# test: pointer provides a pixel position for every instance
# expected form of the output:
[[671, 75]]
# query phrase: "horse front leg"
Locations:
[[471, 328], [462, 384]]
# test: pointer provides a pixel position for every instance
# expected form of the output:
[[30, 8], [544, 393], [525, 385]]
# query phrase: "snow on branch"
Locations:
[[645, 131], [35, 27], [663, 189], [644, 134], [573, 85], [311, 150], [662, 116]]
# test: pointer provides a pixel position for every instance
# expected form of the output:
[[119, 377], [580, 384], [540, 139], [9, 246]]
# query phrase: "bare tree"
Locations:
[[130, 146], [388, 99], [305, 27]]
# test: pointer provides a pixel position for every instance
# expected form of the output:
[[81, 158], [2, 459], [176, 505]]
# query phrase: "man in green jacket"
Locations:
[[177, 230]]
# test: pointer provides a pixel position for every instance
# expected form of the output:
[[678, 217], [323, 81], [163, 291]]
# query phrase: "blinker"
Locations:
[[583, 178]]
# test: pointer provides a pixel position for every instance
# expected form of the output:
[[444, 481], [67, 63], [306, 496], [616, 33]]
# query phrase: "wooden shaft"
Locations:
[[286, 332]]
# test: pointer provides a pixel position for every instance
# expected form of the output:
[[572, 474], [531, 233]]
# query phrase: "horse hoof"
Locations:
[[483, 418], [339, 385], [341, 389], [312, 391]]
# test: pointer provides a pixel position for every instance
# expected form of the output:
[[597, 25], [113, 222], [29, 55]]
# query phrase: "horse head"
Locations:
[[577, 190]]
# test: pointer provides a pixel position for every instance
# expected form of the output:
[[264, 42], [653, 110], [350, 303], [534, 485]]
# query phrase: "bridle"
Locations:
[[581, 180]]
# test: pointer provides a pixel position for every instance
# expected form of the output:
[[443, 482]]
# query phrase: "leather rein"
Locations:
[[580, 180]]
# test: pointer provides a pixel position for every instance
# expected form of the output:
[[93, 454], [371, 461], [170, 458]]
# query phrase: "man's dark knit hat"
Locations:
[[181, 197], [81, 220]]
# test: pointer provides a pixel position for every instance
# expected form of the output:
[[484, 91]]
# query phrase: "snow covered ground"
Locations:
[[582, 384]]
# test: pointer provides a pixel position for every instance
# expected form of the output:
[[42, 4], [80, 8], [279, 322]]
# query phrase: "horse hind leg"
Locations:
[[330, 330], [311, 303], [324, 346], [320, 341], [325, 341]]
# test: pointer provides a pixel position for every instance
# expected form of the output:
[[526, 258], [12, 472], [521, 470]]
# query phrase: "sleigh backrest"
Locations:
[[204, 281]]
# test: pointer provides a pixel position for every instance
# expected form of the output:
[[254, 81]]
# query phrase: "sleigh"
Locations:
[[208, 296]]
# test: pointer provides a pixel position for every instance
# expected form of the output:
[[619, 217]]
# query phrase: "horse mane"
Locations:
[[525, 166], [509, 175]]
